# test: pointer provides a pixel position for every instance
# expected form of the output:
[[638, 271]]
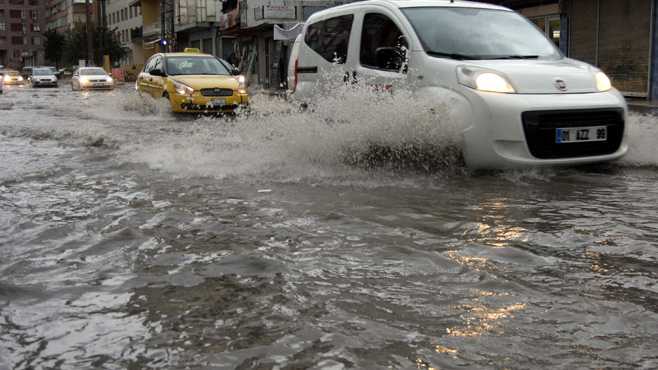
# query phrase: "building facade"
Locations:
[[124, 19], [64, 14], [21, 26]]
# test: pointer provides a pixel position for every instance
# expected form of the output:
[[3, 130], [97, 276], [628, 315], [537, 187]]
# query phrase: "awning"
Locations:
[[290, 34]]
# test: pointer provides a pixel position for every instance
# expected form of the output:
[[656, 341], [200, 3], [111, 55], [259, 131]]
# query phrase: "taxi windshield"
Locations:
[[195, 66], [475, 33]]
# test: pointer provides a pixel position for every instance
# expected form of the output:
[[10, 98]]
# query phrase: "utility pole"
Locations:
[[90, 45], [102, 27]]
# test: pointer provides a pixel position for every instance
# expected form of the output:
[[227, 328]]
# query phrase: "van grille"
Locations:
[[539, 128], [216, 92]]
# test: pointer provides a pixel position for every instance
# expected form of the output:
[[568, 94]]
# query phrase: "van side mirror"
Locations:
[[235, 71], [389, 58], [157, 72]]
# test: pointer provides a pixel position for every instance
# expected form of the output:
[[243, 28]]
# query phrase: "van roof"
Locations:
[[408, 4]]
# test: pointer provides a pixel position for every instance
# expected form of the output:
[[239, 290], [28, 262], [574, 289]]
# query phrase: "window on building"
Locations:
[[380, 33], [330, 38], [17, 40], [17, 2], [36, 27], [34, 15], [16, 27], [550, 26], [3, 26], [36, 41], [33, 2], [207, 46], [15, 14], [3, 39], [130, 10], [2, 13]]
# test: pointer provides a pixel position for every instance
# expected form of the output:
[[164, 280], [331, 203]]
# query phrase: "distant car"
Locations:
[[11, 77], [55, 71], [91, 78], [43, 77], [26, 72]]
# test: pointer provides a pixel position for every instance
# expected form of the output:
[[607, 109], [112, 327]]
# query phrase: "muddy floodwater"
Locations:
[[134, 239]]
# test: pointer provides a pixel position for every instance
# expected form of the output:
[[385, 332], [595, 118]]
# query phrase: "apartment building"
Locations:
[[64, 14], [124, 18], [21, 39]]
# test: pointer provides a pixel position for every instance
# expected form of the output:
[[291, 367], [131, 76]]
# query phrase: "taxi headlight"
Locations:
[[242, 84], [84, 80], [20, 78], [484, 80], [602, 82], [110, 80], [182, 89]]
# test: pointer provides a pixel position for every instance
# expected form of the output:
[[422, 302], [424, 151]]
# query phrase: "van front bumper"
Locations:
[[506, 133]]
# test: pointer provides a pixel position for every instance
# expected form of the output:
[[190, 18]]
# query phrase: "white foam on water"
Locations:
[[643, 140], [345, 132]]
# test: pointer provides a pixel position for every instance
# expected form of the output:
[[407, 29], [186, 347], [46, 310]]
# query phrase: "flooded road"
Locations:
[[131, 239]]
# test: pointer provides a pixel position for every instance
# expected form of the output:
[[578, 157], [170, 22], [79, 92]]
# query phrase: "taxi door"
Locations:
[[143, 83], [157, 77]]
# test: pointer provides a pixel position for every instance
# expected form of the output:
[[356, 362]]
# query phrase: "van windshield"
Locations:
[[472, 33]]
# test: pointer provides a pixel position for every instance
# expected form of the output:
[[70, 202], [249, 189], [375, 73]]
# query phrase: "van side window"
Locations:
[[383, 46], [330, 38]]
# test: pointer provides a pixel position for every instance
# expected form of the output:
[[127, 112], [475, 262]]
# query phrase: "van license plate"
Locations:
[[581, 134]]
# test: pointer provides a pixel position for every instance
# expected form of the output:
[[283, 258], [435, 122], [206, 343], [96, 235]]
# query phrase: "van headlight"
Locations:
[[602, 82], [484, 80], [182, 89]]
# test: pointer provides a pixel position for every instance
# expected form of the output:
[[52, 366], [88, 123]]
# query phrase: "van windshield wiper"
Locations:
[[453, 55], [513, 57]]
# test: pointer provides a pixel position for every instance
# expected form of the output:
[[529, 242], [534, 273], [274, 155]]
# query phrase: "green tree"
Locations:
[[75, 47], [54, 46]]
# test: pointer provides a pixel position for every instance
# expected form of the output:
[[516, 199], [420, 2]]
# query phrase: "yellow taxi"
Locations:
[[193, 82], [11, 77]]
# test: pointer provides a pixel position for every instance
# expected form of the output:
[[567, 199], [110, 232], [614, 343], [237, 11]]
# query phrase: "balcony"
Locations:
[[193, 13]]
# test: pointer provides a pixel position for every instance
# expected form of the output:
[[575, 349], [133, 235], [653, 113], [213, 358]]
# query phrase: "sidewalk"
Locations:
[[642, 106]]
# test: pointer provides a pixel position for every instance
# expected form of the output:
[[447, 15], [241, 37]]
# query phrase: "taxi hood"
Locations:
[[542, 76], [198, 82]]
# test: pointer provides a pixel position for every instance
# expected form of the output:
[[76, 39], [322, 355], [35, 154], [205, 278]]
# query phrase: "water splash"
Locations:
[[346, 131], [642, 139]]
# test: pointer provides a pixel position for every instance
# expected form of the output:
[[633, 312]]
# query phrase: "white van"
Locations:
[[522, 102]]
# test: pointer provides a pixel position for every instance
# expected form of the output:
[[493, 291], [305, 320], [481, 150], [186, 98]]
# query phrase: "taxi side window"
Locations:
[[157, 64], [383, 46], [149, 65], [330, 38]]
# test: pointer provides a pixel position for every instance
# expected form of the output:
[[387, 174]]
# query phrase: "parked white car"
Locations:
[[43, 77], [88, 78], [522, 102]]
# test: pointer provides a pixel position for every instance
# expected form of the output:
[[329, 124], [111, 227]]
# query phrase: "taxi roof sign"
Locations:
[[192, 50]]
